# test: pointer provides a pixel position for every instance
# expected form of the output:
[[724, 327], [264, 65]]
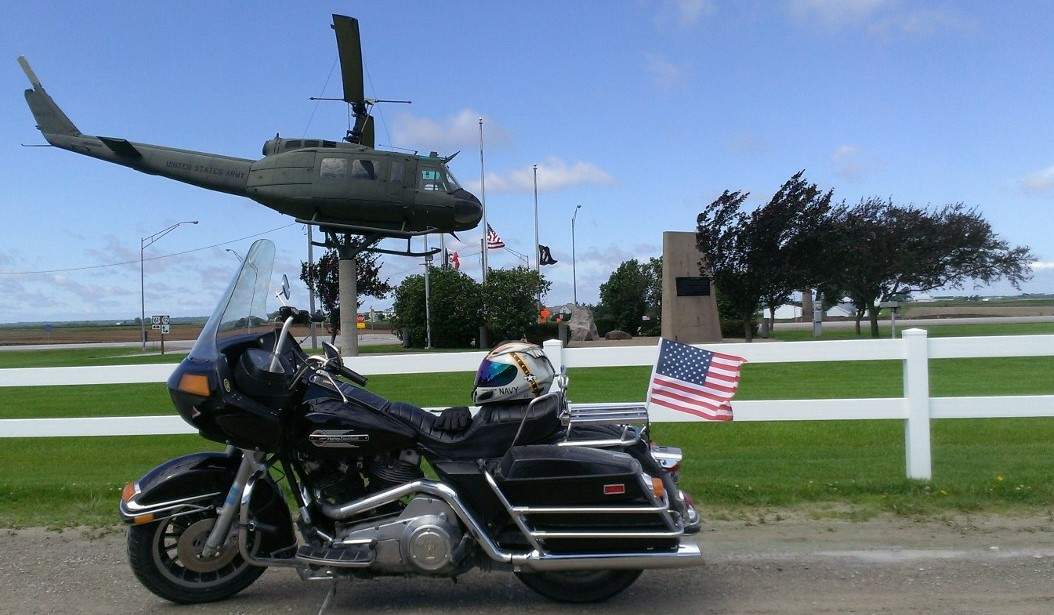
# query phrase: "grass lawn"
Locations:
[[984, 464], [934, 330]]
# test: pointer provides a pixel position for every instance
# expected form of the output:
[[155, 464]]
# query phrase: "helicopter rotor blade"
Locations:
[[349, 48]]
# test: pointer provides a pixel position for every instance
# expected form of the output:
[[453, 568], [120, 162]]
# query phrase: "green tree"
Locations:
[[509, 300], [885, 250], [633, 291], [456, 305], [768, 253], [323, 277]]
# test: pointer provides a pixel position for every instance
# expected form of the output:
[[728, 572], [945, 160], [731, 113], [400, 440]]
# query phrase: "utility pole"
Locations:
[[574, 271], [144, 243], [311, 287], [483, 199], [428, 309], [537, 254]]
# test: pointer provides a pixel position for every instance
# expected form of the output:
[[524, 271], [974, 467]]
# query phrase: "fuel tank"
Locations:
[[333, 429]]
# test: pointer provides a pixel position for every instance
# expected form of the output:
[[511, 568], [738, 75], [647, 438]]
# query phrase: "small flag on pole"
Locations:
[[455, 261], [694, 381], [545, 257], [494, 241]]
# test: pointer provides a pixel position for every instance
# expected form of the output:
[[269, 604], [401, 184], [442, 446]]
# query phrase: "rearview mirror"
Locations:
[[332, 354]]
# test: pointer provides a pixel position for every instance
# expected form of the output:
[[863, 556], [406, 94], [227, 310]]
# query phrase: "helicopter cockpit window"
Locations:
[[311, 143], [451, 181], [333, 168], [329, 144], [432, 180], [291, 145], [397, 172], [363, 169]]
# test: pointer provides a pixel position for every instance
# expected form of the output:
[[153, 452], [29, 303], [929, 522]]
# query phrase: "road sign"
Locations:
[[166, 329], [159, 320]]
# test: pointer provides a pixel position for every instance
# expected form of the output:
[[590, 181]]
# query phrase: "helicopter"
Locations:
[[345, 187]]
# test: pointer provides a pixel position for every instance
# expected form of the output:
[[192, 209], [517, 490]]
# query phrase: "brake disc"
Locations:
[[191, 542]]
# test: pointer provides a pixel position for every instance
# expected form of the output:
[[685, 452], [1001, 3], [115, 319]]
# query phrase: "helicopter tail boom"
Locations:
[[215, 172]]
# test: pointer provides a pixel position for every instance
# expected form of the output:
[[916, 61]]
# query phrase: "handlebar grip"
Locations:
[[353, 376]]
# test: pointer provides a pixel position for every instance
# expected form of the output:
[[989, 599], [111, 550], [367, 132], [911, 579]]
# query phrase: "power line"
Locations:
[[151, 258]]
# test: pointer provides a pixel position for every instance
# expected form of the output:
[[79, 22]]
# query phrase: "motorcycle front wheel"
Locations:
[[579, 585], [165, 557]]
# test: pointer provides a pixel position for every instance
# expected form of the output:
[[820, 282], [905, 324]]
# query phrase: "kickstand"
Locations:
[[329, 598]]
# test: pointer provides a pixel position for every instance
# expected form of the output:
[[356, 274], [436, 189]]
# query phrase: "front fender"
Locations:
[[202, 480]]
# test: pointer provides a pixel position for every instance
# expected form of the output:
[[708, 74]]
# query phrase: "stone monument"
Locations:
[[689, 303]]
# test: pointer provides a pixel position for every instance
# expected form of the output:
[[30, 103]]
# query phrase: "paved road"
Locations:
[[765, 565], [365, 339], [913, 322]]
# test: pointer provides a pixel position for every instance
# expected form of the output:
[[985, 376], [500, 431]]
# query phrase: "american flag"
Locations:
[[694, 381], [494, 241]]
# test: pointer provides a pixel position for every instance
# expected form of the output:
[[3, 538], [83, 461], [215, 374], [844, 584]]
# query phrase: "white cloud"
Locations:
[[666, 74], [1043, 266], [553, 174], [847, 163], [458, 131], [684, 13], [1040, 182], [836, 13], [878, 17]]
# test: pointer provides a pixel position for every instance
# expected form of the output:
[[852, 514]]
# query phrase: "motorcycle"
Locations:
[[576, 501]]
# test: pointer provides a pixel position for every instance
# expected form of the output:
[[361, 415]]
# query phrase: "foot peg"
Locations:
[[352, 556]]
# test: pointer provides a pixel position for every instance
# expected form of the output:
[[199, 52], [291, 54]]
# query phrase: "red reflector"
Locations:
[[615, 489]]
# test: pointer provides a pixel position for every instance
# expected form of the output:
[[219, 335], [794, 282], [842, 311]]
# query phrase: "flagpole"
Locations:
[[483, 198], [537, 259]]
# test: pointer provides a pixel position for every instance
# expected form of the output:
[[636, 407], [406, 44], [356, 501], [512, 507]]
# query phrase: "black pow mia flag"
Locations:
[[545, 257]]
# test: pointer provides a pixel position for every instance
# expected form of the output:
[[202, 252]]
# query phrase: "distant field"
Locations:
[[72, 357], [934, 330], [10, 335]]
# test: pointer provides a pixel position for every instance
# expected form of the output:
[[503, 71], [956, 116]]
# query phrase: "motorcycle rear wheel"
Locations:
[[579, 585], [163, 556]]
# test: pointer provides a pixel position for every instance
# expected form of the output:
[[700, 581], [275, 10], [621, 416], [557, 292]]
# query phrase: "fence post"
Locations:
[[917, 397], [554, 349]]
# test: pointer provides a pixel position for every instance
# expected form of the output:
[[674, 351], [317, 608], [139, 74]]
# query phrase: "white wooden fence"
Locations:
[[915, 408]]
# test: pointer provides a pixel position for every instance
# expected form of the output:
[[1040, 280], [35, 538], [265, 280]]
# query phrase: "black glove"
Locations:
[[454, 420]]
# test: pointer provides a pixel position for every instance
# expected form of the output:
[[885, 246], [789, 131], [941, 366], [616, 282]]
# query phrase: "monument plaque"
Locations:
[[688, 286]]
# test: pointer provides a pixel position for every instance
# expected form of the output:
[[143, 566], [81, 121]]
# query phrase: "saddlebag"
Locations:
[[567, 496]]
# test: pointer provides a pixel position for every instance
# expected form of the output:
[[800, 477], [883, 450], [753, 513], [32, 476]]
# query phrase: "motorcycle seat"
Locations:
[[489, 434]]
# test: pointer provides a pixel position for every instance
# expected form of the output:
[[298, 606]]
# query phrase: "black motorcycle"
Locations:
[[576, 501]]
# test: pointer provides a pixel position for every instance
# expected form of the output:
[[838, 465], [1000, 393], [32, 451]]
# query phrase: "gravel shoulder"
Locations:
[[762, 565]]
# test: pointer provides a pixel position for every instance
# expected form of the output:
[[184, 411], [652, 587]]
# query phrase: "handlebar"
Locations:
[[352, 375]]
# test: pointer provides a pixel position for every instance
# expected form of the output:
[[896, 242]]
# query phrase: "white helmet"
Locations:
[[513, 370]]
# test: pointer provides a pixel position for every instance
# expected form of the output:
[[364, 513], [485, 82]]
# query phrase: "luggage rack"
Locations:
[[632, 417]]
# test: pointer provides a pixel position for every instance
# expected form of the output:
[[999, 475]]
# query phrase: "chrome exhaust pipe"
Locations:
[[687, 554]]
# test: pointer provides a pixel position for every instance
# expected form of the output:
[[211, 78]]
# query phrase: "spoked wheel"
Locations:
[[579, 585], [166, 558]]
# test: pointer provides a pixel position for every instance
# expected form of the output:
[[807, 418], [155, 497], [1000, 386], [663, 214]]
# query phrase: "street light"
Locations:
[[236, 255], [574, 273], [144, 242]]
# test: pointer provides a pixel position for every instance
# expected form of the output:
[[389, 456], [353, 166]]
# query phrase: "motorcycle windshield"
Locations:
[[243, 307]]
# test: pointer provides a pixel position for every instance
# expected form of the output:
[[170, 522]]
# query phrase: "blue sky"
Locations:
[[640, 111]]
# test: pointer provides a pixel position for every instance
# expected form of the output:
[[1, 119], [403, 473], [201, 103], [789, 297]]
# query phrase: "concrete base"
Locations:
[[689, 306]]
